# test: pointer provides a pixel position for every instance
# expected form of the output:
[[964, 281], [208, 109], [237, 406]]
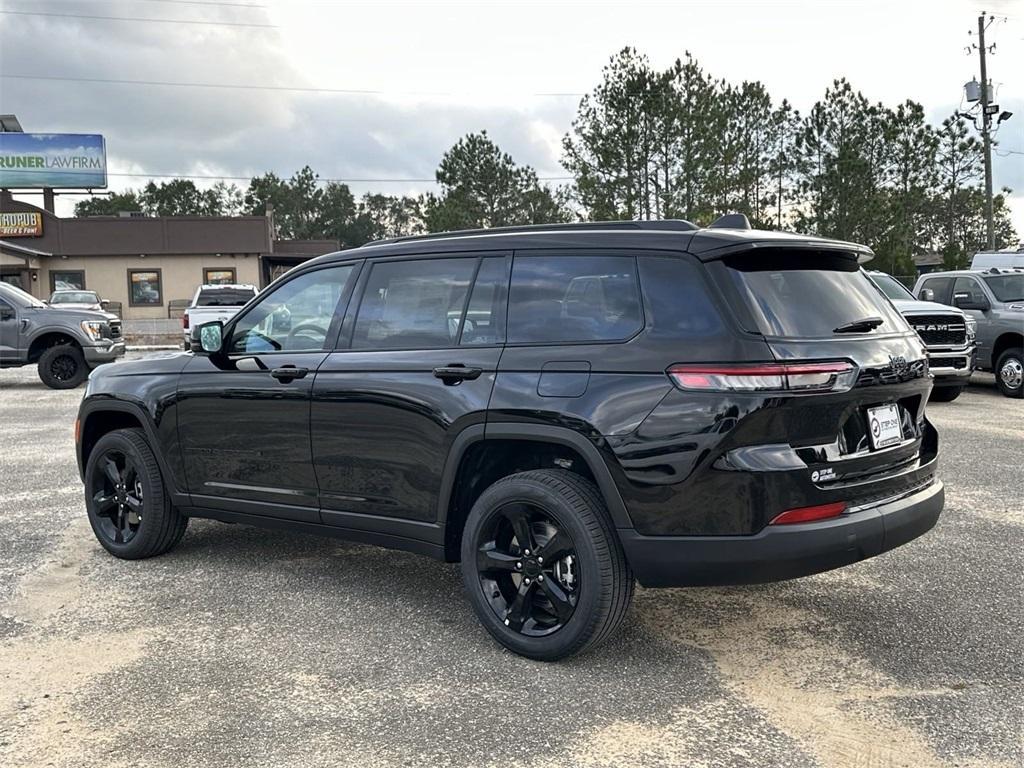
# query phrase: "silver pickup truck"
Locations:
[[214, 302], [948, 334], [994, 299], [64, 344]]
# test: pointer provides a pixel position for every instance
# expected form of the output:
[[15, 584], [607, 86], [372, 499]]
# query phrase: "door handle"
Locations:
[[287, 373], [453, 374]]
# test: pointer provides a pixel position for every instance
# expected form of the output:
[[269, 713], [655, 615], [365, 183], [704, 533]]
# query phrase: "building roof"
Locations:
[[21, 250]]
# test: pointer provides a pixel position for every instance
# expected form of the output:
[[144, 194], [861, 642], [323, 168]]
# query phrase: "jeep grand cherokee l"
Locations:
[[561, 408]]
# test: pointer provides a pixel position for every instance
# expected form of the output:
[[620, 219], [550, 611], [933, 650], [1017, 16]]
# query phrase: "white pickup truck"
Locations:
[[214, 302]]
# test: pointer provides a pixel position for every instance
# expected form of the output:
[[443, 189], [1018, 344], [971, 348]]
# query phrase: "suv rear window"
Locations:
[[224, 297], [805, 295], [555, 299]]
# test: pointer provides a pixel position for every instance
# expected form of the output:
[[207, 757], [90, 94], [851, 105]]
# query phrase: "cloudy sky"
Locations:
[[378, 91]]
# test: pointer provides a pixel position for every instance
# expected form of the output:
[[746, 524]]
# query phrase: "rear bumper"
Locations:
[[785, 551]]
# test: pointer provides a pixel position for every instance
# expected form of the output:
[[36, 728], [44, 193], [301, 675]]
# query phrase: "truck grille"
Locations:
[[939, 330], [115, 329]]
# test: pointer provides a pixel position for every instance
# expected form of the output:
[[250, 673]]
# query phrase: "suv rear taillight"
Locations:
[[837, 376], [810, 514], [184, 320]]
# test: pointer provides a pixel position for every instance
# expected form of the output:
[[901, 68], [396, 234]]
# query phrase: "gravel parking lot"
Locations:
[[257, 648]]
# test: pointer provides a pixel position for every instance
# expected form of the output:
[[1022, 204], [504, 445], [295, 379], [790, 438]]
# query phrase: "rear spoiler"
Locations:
[[714, 248]]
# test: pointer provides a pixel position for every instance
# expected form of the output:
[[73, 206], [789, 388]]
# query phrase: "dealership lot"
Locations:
[[252, 647]]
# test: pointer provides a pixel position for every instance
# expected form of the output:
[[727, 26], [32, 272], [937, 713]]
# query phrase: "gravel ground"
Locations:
[[257, 648]]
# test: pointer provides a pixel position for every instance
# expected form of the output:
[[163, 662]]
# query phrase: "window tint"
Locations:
[[573, 298], [940, 286], [413, 304], [485, 318], [971, 287], [224, 297], [891, 287], [677, 300], [797, 297], [1007, 287], [295, 317]]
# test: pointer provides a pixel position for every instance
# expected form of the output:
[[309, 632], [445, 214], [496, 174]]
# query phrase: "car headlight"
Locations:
[[93, 329], [972, 328]]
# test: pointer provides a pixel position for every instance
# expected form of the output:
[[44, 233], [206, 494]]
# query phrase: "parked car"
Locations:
[[948, 334], [77, 299], [995, 299], [63, 343], [214, 302], [999, 259], [628, 399]]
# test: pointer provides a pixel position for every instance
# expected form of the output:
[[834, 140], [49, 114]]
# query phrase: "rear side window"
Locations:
[[677, 299], [809, 295], [941, 286], [556, 299], [485, 318], [413, 304]]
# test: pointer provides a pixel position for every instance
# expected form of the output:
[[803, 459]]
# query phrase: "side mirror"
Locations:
[[104, 302], [927, 294], [208, 338], [964, 301]]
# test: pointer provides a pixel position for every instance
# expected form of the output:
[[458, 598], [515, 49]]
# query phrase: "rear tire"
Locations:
[[63, 367], [946, 394], [576, 598], [1010, 373], [129, 510]]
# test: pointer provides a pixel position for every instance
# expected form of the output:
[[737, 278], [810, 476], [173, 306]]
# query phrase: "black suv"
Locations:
[[561, 408]]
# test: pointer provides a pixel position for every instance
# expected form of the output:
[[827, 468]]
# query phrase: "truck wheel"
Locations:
[[945, 394], [542, 564], [63, 367], [129, 510], [1010, 373]]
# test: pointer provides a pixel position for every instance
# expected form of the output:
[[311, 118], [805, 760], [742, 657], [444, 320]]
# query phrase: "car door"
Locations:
[[970, 290], [244, 413], [417, 365], [8, 331]]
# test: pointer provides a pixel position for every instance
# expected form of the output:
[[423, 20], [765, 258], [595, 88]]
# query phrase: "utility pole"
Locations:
[[986, 120]]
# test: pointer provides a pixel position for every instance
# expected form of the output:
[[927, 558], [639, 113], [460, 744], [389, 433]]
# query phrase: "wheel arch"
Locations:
[[49, 338], [97, 419], [1003, 342], [479, 456]]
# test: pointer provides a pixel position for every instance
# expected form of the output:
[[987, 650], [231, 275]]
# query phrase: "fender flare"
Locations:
[[539, 433], [90, 408]]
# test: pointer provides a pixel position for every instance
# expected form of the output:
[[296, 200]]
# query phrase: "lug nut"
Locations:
[[540, 559], [506, 622], [527, 579], [541, 577], [526, 551], [518, 566]]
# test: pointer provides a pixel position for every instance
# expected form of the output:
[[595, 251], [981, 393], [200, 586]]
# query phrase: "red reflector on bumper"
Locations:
[[810, 514]]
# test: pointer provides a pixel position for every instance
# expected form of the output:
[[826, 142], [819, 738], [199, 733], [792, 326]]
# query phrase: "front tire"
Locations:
[[542, 565], [945, 394], [63, 367], [1010, 373], [128, 507]]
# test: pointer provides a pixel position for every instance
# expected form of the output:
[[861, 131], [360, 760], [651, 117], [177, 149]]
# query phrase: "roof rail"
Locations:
[[670, 225], [730, 221]]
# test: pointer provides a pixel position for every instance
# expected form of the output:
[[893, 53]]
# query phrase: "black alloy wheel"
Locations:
[[129, 510], [63, 367], [117, 496], [528, 569]]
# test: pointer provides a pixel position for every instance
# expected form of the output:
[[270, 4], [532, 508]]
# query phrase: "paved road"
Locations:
[[246, 647]]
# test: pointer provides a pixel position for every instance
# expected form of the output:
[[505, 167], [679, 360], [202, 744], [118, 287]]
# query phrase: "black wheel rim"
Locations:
[[528, 569], [63, 367], [116, 495]]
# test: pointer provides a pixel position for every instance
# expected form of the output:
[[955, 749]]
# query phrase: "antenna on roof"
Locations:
[[730, 221]]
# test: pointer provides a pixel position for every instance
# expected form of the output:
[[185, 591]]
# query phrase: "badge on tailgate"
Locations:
[[884, 426]]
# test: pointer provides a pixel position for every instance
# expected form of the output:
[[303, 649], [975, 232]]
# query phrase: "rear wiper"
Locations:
[[857, 326]]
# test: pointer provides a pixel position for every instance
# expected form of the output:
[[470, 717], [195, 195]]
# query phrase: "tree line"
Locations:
[[672, 143]]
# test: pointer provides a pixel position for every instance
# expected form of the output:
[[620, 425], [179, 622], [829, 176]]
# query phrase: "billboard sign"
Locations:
[[21, 224], [53, 161]]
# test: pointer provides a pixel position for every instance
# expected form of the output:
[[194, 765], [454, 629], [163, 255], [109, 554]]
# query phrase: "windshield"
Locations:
[[224, 297], [1007, 287], [798, 295], [75, 297], [17, 295], [890, 286]]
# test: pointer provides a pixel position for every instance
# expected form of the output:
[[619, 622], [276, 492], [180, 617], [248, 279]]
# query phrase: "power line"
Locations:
[[251, 87], [205, 2], [211, 177], [139, 18]]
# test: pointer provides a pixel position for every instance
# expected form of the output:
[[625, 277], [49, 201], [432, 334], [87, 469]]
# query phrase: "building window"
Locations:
[[219, 276], [67, 280], [145, 288]]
